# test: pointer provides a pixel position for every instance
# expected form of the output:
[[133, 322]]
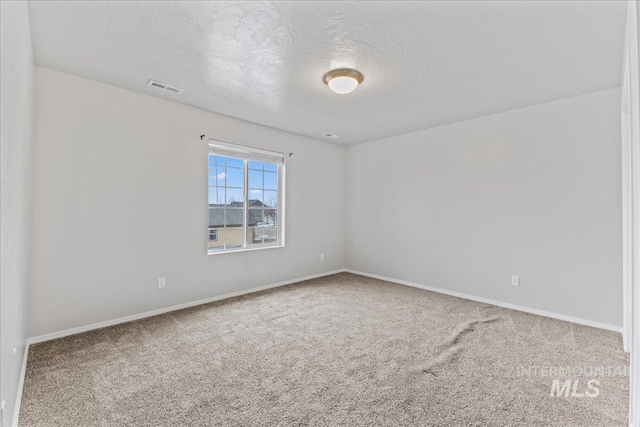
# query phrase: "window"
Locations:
[[245, 198]]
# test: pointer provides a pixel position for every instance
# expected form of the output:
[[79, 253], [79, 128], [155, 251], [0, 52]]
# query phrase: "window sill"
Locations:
[[230, 251]]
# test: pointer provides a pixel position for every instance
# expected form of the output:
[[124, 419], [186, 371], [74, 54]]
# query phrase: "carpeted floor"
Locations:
[[337, 351]]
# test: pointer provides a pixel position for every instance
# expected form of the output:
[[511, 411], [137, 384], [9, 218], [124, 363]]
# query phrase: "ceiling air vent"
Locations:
[[163, 86]]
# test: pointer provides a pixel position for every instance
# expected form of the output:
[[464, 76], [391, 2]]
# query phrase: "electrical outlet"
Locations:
[[162, 282], [515, 280], [321, 257]]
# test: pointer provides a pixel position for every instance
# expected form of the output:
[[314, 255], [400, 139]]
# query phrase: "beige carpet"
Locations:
[[338, 351]]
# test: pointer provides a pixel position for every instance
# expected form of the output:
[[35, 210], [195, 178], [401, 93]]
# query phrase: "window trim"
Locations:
[[261, 155]]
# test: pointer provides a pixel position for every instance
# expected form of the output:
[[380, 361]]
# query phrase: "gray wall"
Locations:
[[533, 192], [120, 188], [121, 199], [16, 142]]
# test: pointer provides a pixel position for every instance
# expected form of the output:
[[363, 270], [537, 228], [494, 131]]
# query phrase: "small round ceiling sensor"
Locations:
[[330, 135]]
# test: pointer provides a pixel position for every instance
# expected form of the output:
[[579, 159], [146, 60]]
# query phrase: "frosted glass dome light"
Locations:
[[343, 84], [343, 80]]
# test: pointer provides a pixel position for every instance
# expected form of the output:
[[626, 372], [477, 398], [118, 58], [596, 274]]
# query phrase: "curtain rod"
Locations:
[[203, 135]]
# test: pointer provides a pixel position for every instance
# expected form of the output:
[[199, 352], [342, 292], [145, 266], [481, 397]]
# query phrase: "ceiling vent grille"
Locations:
[[330, 135], [163, 86]]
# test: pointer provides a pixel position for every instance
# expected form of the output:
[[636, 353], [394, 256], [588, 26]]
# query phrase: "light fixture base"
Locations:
[[343, 72]]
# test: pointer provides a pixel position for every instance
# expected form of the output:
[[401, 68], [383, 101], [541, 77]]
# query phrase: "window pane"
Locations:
[[212, 159], [217, 176], [270, 217], [270, 199], [271, 167], [216, 217], [270, 234], [270, 181], [255, 195], [212, 175], [216, 195], [235, 177], [235, 163], [233, 237], [262, 235], [220, 160], [255, 217], [256, 165], [229, 238], [235, 197], [218, 244], [234, 217], [255, 179], [254, 236]]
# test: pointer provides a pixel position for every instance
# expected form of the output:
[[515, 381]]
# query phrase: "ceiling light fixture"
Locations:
[[343, 80]]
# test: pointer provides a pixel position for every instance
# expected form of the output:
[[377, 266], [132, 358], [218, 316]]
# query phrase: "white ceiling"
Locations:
[[425, 63]]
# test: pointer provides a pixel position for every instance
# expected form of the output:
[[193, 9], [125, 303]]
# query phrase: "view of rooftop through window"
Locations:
[[243, 203]]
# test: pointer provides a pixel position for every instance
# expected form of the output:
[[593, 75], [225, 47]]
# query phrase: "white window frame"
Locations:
[[247, 154]]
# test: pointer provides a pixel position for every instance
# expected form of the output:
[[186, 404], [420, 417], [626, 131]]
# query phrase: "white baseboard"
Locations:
[[566, 318], [23, 372], [80, 329]]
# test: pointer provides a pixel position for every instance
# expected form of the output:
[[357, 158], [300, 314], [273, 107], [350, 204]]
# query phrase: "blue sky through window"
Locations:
[[226, 181]]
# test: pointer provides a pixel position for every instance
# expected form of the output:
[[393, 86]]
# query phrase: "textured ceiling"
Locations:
[[425, 63]]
